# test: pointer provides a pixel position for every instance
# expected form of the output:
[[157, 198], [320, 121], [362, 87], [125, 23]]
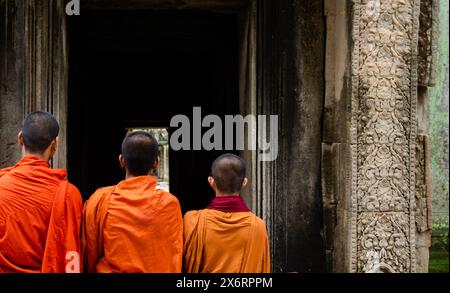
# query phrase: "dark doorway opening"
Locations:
[[138, 69]]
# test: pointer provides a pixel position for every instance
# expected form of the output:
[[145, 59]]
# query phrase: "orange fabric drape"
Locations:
[[40, 217], [225, 242], [132, 227]]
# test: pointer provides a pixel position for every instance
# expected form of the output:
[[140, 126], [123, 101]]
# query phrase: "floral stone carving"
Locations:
[[383, 122]]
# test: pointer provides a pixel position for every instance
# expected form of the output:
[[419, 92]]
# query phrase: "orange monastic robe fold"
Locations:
[[40, 218], [132, 227], [225, 242]]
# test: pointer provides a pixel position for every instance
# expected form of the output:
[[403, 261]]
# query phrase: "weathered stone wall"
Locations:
[[439, 109], [33, 70], [12, 29], [336, 161], [290, 84], [438, 147], [427, 71]]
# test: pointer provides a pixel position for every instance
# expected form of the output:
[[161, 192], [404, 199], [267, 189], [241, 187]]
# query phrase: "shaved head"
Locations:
[[39, 129], [139, 151], [228, 172]]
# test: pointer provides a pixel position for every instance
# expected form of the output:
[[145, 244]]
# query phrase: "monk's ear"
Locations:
[[20, 139], [121, 162], [54, 144], [156, 163], [212, 182], [244, 182]]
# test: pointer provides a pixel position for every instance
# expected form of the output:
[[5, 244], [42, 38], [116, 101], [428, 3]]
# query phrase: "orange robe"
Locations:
[[225, 242], [132, 227], [40, 218]]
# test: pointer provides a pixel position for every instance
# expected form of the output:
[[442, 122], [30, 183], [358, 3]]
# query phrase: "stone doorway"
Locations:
[[139, 68]]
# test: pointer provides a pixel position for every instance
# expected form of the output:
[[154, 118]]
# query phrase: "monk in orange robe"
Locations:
[[133, 227], [40, 212], [226, 237]]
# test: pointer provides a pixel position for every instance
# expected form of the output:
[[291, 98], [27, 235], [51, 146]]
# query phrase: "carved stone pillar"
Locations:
[[383, 135], [370, 171]]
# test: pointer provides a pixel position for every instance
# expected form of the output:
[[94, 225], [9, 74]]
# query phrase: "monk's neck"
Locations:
[[227, 194], [130, 176], [42, 157]]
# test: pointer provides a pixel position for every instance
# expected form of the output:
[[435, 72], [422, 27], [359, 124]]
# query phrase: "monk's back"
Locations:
[[225, 242], [142, 230], [27, 193]]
